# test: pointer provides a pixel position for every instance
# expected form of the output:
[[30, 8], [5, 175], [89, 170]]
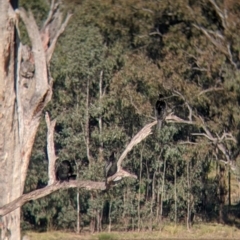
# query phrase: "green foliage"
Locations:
[[108, 69]]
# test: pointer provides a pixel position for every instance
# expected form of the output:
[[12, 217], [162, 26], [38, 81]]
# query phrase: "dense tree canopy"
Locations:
[[109, 68]]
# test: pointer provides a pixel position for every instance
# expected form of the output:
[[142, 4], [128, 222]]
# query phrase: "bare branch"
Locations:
[[217, 141], [188, 106], [205, 135], [200, 69], [230, 56], [157, 32], [142, 134], [50, 149], [119, 175], [213, 89], [212, 40], [220, 13], [53, 9], [176, 119], [39, 193], [227, 136], [54, 40], [187, 142], [221, 44]]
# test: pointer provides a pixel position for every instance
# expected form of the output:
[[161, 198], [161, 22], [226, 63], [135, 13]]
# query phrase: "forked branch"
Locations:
[[51, 48]]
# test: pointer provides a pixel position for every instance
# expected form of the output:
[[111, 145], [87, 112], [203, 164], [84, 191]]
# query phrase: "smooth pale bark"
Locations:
[[20, 108], [11, 155]]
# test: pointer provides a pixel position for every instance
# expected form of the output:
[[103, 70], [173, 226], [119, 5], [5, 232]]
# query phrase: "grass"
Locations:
[[199, 231]]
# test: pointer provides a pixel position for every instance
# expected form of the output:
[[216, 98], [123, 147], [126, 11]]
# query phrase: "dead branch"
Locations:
[[230, 56], [214, 140], [175, 119], [219, 41], [53, 8], [119, 175], [220, 13], [39, 193], [216, 43], [188, 106], [217, 140], [142, 134], [51, 48], [213, 89], [50, 149], [187, 142]]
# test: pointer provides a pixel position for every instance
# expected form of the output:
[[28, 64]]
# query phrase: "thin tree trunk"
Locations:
[[158, 203], [132, 217], [98, 220], [175, 192], [93, 217], [188, 198], [147, 188], [100, 125], [109, 217], [139, 190], [158, 194], [162, 190], [222, 191], [78, 212], [124, 212], [87, 130], [152, 201], [101, 218], [78, 194], [229, 186]]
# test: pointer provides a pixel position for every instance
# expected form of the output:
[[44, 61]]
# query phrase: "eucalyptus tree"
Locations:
[[26, 88]]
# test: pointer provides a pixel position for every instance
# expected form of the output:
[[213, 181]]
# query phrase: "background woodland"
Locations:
[[109, 66]]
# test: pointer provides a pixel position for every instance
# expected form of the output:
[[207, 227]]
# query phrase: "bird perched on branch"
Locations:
[[160, 110], [111, 166], [115, 173], [65, 171]]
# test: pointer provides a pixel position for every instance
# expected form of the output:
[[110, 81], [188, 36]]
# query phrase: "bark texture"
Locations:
[[25, 89], [11, 161]]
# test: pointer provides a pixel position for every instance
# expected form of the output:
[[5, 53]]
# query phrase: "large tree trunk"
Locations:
[[11, 155], [23, 95]]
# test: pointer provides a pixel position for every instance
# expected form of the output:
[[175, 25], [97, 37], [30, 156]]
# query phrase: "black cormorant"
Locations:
[[65, 171], [111, 166], [115, 173], [160, 110]]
